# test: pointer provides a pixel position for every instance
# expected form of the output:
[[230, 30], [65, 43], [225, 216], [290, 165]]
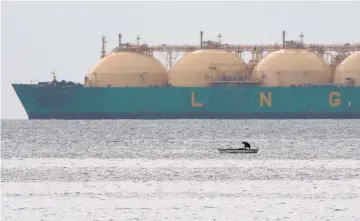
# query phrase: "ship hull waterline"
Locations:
[[164, 116]]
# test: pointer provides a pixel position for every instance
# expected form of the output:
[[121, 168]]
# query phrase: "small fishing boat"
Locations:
[[238, 150]]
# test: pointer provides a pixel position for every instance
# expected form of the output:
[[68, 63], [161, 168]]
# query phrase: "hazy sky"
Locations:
[[40, 37]]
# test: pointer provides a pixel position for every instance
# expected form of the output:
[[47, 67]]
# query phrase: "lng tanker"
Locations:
[[212, 81]]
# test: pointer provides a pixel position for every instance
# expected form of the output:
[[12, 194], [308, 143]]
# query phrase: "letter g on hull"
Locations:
[[334, 99]]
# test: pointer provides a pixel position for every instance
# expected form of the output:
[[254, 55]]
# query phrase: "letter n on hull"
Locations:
[[265, 99]]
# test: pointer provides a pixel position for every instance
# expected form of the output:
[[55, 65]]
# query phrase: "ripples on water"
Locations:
[[171, 170]]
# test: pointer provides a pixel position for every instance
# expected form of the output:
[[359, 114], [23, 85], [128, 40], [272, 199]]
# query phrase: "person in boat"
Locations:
[[246, 145]]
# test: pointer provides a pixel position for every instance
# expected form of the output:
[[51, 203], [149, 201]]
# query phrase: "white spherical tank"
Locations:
[[199, 68], [127, 69], [292, 67], [348, 71]]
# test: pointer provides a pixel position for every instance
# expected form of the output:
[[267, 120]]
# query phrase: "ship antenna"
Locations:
[[103, 44]]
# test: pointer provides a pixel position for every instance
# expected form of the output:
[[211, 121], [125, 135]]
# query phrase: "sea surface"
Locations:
[[171, 170]]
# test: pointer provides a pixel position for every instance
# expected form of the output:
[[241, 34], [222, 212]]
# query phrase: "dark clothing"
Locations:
[[246, 145]]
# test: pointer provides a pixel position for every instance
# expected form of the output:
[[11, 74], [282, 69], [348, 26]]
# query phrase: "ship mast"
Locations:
[[103, 44], [137, 42], [119, 35], [219, 37], [301, 37], [283, 39], [54, 76]]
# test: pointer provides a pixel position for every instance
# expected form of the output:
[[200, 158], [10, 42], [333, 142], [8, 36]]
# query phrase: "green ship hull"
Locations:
[[77, 102]]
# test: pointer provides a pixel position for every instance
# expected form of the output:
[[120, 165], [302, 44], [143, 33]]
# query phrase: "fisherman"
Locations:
[[246, 145]]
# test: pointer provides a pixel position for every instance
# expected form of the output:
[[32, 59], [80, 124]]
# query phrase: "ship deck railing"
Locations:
[[225, 83]]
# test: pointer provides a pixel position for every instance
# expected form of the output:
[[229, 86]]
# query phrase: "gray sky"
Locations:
[[40, 37]]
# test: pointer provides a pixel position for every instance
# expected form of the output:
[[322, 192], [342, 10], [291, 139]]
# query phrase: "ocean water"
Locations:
[[171, 170]]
